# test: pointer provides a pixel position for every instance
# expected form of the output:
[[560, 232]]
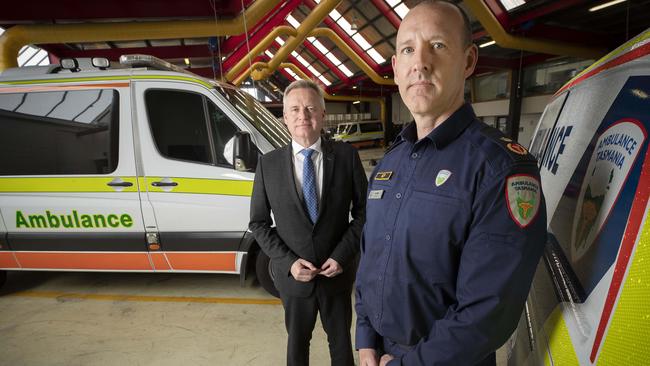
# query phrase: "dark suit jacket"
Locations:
[[293, 236]]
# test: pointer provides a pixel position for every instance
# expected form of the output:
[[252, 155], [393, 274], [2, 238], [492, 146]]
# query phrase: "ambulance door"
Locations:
[[68, 192], [200, 202]]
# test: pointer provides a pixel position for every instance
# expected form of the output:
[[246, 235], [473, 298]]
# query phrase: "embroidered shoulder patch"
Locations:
[[523, 195]]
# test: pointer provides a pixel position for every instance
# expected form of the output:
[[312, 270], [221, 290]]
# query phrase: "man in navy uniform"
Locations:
[[455, 217]]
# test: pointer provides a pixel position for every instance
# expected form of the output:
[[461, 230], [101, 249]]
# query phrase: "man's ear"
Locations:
[[393, 61], [471, 57]]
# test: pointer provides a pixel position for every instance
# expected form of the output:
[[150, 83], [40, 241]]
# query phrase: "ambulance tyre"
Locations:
[[265, 273], [3, 277]]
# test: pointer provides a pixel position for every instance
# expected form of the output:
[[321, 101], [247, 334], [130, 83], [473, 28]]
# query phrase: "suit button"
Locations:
[[387, 236], [414, 155], [398, 196]]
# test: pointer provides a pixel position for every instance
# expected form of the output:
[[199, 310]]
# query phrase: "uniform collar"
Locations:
[[447, 131]]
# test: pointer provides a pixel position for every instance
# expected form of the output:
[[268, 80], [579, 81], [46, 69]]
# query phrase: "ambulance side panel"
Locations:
[[200, 202], [69, 195], [589, 299]]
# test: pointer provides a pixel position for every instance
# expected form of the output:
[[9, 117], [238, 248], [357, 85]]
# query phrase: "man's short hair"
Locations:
[[467, 25], [304, 84]]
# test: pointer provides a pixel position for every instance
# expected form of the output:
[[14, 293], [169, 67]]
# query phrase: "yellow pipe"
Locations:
[[326, 32], [342, 98], [259, 48], [506, 40], [14, 38], [315, 17]]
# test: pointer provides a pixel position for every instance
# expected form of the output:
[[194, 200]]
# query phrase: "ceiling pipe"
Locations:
[[506, 40], [342, 98], [313, 19], [14, 38]]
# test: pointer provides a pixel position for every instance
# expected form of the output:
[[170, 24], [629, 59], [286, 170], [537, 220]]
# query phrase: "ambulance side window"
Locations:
[[178, 124], [59, 132], [223, 131]]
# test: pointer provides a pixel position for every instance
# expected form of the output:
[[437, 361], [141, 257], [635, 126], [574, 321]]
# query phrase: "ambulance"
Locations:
[[590, 299], [137, 166], [361, 131]]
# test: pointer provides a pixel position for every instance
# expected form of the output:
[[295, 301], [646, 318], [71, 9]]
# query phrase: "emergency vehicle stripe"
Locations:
[[64, 184], [160, 262], [559, 341], [126, 261], [8, 261], [630, 237], [63, 87], [202, 186], [193, 261], [100, 184], [610, 61], [108, 78]]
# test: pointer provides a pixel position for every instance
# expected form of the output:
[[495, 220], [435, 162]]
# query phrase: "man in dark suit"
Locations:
[[311, 187]]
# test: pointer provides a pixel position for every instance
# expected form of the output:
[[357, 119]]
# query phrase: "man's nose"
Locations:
[[304, 112], [422, 60]]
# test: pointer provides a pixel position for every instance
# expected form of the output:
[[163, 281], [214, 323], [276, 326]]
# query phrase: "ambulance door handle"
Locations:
[[164, 184], [120, 184]]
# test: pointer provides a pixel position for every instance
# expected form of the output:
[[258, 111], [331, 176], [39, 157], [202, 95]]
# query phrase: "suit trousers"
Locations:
[[336, 316]]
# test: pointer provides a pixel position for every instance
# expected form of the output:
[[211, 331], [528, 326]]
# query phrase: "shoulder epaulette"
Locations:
[[391, 147], [512, 148]]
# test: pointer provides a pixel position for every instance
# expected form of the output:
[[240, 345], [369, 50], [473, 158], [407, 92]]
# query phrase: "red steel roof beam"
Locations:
[[388, 12]]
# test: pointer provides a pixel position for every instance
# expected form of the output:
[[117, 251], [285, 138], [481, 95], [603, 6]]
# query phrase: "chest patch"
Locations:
[[442, 177], [383, 175], [523, 194]]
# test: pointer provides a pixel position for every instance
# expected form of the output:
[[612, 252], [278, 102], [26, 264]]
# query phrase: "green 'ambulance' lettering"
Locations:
[[74, 220]]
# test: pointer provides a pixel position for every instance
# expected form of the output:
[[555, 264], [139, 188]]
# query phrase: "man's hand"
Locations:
[[385, 359], [303, 270], [368, 357], [331, 268]]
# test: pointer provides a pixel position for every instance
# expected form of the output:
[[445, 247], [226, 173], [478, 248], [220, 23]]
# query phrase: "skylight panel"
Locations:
[[401, 10], [293, 21], [313, 70], [345, 26], [361, 41], [320, 46], [376, 56], [345, 70], [324, 80], [333, 58], [511, 4], [268, 53], [335, 15], [279, 40], [392, 3], [301, 59]]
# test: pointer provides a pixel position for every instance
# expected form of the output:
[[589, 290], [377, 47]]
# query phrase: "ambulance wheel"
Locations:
[[3, 277], [264, 273]]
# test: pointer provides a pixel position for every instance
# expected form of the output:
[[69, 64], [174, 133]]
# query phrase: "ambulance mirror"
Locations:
[[244, 152]]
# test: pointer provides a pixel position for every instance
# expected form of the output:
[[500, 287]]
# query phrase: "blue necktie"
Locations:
[[309, 185]]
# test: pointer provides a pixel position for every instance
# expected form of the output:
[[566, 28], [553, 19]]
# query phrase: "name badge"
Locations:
[[376, 194]]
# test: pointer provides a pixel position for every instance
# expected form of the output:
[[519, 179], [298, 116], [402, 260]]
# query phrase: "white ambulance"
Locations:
[[140, 167], [590, 299]]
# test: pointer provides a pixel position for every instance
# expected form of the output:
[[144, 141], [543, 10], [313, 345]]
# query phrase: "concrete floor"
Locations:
[[52, 318]]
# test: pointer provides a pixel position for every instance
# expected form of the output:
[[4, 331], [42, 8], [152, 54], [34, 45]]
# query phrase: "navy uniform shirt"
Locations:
[[455, 227]]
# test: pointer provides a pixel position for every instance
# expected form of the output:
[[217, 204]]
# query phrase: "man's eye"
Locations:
[[438, 45], [407, 50]]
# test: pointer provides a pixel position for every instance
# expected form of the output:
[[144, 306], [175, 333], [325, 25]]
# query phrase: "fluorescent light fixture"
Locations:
[[293, 21], [402, 10], [605, 5], [376, 56], [187, 61], [279, 40], [354, 86], [356, 102], [486, 44]]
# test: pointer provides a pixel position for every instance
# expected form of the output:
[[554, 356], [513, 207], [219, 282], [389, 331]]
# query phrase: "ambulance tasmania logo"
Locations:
[[442, 177], [523, 196]]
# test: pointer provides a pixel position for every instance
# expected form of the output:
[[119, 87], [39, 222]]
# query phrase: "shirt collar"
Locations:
[[447, 131], [297, 148]]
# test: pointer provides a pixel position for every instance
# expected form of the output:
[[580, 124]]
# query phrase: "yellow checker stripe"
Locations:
[[64, 184], [626, 341], [201, 186], [559, 341], [109, 78]]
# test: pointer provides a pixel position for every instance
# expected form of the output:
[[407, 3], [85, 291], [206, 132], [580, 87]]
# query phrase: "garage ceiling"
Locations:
[[368, 27]]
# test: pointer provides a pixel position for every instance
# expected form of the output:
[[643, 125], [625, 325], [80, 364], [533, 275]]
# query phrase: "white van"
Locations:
[[361, 131], [141, 168], [590, 299]]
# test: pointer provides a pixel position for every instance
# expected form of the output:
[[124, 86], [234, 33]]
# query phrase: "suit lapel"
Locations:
[[289, 174], [328, 172]]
